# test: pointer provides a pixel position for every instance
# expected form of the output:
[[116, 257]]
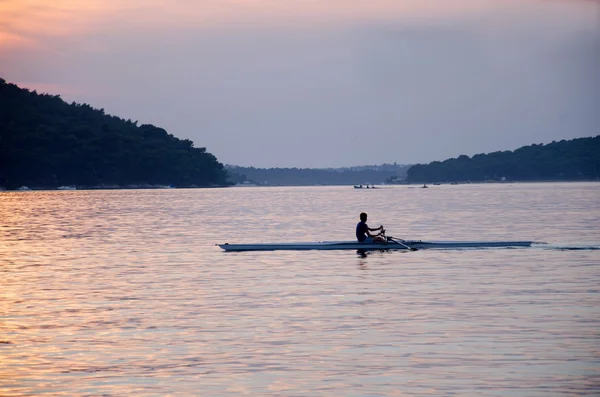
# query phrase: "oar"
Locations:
[[402, 244]]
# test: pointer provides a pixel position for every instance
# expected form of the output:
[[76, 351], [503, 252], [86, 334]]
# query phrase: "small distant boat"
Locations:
[[71, 187], [23, 188], [365, 187]]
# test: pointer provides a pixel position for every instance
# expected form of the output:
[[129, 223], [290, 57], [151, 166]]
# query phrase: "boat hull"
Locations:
[[354, 245]]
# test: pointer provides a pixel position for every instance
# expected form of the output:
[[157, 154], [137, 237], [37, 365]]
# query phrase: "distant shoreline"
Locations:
[[111, 187], [377, 186]]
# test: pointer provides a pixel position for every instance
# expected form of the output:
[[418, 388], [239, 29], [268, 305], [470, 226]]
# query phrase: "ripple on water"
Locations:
[[124, 293]]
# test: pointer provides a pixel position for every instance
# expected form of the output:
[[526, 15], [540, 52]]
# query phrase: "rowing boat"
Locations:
[[355, 245], [392, 244]]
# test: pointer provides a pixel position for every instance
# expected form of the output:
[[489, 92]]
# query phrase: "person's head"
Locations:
[[363, 217]]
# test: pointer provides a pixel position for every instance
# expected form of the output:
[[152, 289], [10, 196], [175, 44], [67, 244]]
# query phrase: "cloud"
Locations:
[[305, 83], [41, 18]]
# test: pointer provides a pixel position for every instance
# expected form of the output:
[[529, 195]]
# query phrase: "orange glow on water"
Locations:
[[102, 289]]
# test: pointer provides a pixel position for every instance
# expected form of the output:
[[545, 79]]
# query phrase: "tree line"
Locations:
[[46, 142], [316, 176], [573, 160]]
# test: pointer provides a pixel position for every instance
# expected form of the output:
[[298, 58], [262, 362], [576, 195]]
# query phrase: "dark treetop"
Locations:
[[46, 142], [574, 160]]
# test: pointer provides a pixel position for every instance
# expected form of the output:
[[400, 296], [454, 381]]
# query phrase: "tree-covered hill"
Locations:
[[577, 159], [46, 142], [369, 174]]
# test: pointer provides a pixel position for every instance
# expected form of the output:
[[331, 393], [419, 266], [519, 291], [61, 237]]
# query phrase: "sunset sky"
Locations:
[[309, 83]]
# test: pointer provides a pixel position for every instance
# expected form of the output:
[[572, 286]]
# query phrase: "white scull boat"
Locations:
[[392, 244]]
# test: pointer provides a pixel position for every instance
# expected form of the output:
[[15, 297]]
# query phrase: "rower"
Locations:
[[363, 232]]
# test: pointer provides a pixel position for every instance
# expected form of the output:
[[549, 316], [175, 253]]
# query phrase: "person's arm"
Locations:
[[372, 229]]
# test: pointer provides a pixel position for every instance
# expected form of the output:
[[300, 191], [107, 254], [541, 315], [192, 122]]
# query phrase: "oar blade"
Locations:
[[399, 241]]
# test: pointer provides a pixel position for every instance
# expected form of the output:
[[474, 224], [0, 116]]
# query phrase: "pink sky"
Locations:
[[452, 76], [27, 23]]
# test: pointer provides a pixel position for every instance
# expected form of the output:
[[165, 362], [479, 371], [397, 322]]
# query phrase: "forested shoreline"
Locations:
[[573, 160], [46, 142]]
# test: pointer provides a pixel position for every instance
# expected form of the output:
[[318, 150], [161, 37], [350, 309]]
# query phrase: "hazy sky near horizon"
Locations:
[[305, 83]]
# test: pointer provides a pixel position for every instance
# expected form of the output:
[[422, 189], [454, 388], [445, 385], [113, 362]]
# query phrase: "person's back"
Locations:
[[363, 232]]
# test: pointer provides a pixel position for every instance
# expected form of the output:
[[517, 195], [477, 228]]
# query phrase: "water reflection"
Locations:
[[124, 293]]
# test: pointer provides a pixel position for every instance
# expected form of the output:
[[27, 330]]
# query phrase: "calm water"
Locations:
[[123, 293]]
